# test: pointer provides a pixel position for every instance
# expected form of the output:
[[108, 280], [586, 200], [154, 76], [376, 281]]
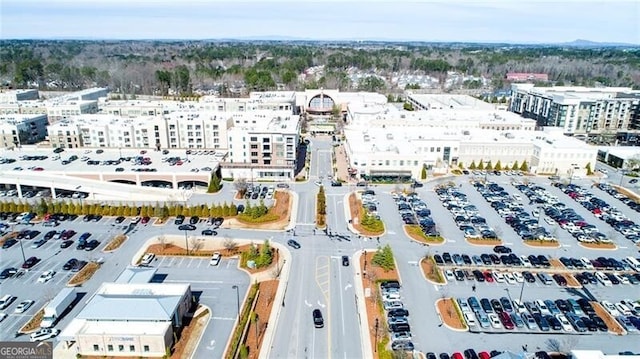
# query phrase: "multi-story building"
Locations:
[[17, 129], [262, 145], [9, 96], [57, 111], [578, 110]]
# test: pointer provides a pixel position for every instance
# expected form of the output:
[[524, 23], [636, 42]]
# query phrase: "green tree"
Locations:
[[524, 167], [498, 166], [371, 84], [460, 165], [423, 174], [588, 168], [214, 184], [481, 165], [472, 166], [515, 166], [489, 166], [408, 106], [384, 258]]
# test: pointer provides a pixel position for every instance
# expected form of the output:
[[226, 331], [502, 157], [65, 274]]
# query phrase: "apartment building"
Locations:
[[578, 110], [262, 145], [18, 129], [57, 111], [9, 96]]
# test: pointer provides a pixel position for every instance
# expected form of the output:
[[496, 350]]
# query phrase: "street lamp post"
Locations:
[[186, 241], [13, 230], [622, 171], [508, 294], [375, 344], [237, 298]]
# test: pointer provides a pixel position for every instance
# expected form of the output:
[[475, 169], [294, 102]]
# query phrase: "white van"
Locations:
[[6, 301], [633, 263], [603, 279]]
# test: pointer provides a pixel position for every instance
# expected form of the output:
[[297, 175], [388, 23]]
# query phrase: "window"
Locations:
[[96, 347], [132, 348], [110, 347], [121, 347], [254, 139], [145, 348]]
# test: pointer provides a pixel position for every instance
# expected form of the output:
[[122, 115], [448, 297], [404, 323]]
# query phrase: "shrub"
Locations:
[[384, 258]]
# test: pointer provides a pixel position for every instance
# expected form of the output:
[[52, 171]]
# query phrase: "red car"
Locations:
[[484, 355], [145, 220], [506, 320], [488, 276], [457, 355]]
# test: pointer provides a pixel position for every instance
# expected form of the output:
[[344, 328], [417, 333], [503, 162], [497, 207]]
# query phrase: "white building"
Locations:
[[10, 96], [60, 110], [383, 141], [578, 110], [18, 129], [130, 319]]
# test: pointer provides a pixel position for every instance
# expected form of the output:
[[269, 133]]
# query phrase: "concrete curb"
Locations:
[[197, 343], [278, 302], [365, 338], [444, 323]]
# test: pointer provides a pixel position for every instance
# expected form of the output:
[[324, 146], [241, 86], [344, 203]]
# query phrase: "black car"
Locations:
[[179, 220], [529, 277], [9, 243], [438, 259], [66, 244], [50, 234], [30, 262], [397, 328], [217, 222], [8, 272], [70, 264], [194, 220], [470, 354], [79, 265], [502, 249], [318, 321], [402, 345], [345, 261], [398, 313], [336, 184], [293, 243], [209, 232], [120, 220], [187, 227], [91, 245]]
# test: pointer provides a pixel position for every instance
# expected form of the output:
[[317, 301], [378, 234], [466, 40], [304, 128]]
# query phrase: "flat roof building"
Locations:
[[18, 129], [130, 319], [9, 96]]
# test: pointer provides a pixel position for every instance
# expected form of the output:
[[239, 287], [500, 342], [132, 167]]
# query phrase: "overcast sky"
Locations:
[[519, 21]]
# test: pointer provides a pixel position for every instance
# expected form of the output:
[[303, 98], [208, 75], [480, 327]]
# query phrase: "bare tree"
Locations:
[[241, 185], [194, 244], [162, 240], [230, 245], [553, 344]]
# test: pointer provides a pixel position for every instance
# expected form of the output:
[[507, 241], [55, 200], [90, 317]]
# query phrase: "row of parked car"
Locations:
[[414, 211], [397, 316], [510, 208], [504, 314], [465, 214]]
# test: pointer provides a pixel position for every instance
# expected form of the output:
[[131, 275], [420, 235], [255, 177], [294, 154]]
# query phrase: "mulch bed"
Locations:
[[598, 245], [449, 314], [263, 310], [427, 266], [611, 323], [281, 208], [355, 208], [484, 242], [374, 274], [544, 244]]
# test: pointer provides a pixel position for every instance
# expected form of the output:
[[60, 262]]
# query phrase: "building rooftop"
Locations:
[[117, 328], [447, 101], [136, 275], [134, 302], [15, 119], [265, 121]]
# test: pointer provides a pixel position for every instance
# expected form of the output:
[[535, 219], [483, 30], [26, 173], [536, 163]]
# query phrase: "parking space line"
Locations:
[[190, 261], [181, 261]]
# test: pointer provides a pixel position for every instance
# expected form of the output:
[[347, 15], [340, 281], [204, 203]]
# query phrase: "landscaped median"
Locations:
[[484, 241], [84, 274], [416, 233], [115, 243], [541, 243], [431, 270], [598, 245], [450, 314], [33, 324], [377, 266], [362, 221]]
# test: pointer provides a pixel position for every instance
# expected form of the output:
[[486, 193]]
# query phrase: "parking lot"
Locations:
[[212, 285], [474, 213]]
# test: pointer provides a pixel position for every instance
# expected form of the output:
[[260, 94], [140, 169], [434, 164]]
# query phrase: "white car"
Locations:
[[24, 306], [449, 274], [509, 278], [147, 259], [44, 334], [519, 277], [525, 261], [549, 221], [470, 318], [495, 321], [564, 322], [609, 307], [215, 259], [498, 277], [46, 276]]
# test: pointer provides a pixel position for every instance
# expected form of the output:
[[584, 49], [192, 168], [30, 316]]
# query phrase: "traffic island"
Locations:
[[372, 275], [450, 314], [191, 333], [362, 222], [277, 217], [572, 282], [612, 324], [484, 241], [541, 243], [416, 233], [33, 324], [84, 274], [603, 246], [432, 273], [115, 243], [258, 320]]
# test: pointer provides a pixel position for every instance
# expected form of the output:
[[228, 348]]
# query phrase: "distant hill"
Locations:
[[588, 43]]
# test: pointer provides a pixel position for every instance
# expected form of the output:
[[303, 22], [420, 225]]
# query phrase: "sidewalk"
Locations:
[[342, 163]]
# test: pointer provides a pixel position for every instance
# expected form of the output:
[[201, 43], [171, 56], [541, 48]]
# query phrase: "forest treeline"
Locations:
[[157, 67]]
